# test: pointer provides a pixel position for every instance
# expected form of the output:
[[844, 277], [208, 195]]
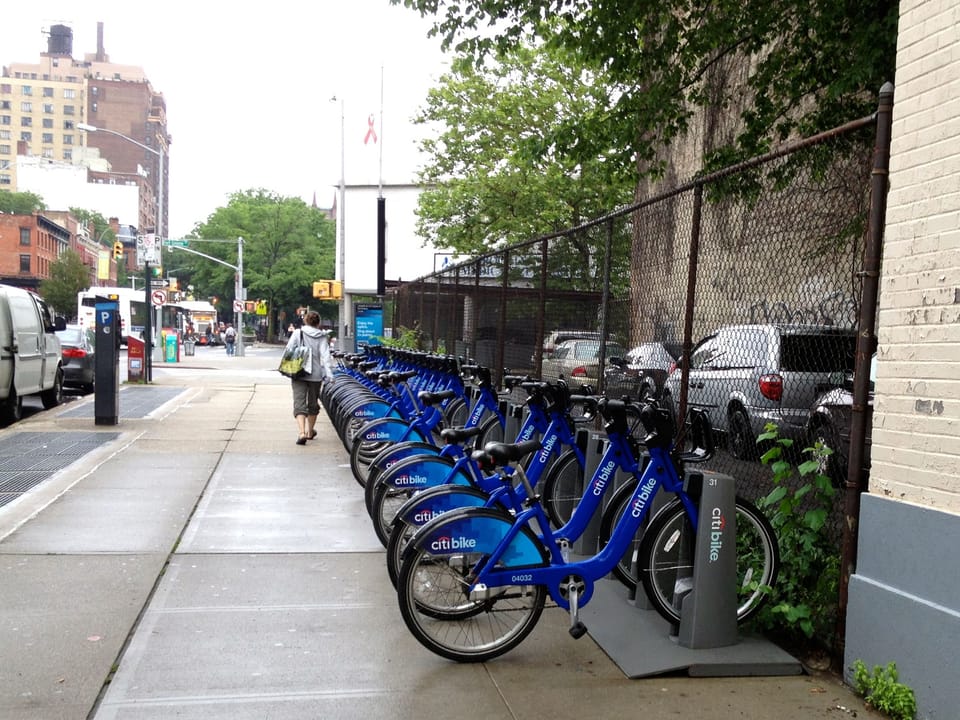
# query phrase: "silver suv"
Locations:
[[746, 376]]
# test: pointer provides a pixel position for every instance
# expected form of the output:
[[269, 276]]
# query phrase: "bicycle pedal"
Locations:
[[578, 630]]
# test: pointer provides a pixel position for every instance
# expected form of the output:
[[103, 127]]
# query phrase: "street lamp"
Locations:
[[148, 329]]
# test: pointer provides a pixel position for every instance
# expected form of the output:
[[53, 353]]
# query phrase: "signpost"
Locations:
[[158, 298]]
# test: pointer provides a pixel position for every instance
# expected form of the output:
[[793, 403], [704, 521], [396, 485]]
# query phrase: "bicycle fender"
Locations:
[[481, 531], [424, 507]]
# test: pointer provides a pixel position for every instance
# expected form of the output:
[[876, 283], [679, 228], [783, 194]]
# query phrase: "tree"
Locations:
[[490, 178], [20, 203], [287, 245], [68, 276], [102, 231], [809, 65]]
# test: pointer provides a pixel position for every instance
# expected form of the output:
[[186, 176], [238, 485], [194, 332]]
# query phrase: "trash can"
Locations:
[[189, 347]]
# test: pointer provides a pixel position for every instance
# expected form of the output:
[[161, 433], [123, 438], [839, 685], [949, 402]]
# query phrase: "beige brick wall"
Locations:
[[916, 430]]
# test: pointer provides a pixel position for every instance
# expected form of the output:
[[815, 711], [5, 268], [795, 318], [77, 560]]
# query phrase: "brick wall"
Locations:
[[916, 429]]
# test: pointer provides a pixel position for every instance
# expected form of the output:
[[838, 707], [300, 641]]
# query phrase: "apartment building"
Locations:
[[45, 105]]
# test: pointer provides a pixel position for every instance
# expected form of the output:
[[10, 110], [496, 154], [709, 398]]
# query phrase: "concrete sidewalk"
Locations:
[[203, 565]]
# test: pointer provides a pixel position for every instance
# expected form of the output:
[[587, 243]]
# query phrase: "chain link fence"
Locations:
[[737, 292]]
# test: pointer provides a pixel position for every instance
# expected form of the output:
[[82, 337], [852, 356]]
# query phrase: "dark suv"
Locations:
[[746, 376]]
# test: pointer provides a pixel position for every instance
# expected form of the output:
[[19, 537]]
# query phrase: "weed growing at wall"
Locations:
[[883, 690]]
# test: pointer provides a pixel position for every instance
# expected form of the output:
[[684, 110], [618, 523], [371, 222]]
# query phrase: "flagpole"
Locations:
[[380, 185]]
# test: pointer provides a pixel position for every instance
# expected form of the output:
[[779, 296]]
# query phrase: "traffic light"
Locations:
[[321, 289], [336, 289], [118, 250], [156, 271]]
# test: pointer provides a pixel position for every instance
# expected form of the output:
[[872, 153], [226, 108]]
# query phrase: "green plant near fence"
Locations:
[[803, 605]]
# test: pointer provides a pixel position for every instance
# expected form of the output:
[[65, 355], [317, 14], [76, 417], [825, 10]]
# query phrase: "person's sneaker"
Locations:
[[302, 440]]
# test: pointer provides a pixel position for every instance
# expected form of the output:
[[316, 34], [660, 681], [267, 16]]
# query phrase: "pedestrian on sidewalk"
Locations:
[[306, 390], [229, 338]]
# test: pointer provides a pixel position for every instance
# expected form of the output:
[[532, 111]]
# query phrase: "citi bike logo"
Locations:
[[718, 524], [646, 492], [604, 477], [422, 517], [476, 415], [443, 544], [363, 412], [377, 435], [409, 480], [547, 449], [527, 434]]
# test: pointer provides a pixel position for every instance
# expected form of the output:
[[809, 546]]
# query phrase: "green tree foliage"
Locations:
[[68, 276], [20, 203], [485, 184], [287, 245], [809, 65]]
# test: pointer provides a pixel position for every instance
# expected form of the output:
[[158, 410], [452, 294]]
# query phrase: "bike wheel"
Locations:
[[390, 456], [666, 553], [432, 592], [562, 488], [373, 438]]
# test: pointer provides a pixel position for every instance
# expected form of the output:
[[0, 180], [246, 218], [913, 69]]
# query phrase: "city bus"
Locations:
[[132, 309]]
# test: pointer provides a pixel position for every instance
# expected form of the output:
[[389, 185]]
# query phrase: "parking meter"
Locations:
[[106, 403]]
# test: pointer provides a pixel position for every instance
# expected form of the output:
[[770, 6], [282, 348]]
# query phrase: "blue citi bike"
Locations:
[[474, 581]]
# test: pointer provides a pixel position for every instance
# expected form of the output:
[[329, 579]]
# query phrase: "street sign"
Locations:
[[238, 305], [158, 297], [176, 243]]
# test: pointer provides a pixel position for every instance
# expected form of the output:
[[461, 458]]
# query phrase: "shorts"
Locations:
[[306, 397]]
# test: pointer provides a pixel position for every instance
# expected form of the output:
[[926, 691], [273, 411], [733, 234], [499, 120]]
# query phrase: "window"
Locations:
[[68, 110], [4, 149], [26, 136], [4, 180], [68, 124], [4, 104], [47, 153], [25, 236], [48, 108], [4, 164], [6, 88], [26, 90], [48, 92], [47, 138], [48, 123], [26, 121], [69, 93], [4, 134], [5, 120], [95, 90], [68, 139], [68, 154], [93, 107], [24, 263], [26, 106]]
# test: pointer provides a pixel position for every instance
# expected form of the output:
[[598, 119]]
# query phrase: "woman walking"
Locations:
[[306, 390]]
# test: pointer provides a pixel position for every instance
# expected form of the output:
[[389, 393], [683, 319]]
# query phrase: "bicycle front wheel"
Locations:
[[666, 559], [433, 590]]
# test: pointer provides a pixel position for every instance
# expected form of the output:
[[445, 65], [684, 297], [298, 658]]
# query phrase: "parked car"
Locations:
[[555, 338], [829, 424], [79, 357], [641, 373], [746, 376], [578, 361], [30, 361]]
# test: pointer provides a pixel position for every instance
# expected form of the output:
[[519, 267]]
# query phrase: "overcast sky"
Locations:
[[289, 58]]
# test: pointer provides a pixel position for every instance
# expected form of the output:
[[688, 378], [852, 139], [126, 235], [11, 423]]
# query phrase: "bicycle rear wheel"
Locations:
[[432, 592], [562, 488], [666, 552]]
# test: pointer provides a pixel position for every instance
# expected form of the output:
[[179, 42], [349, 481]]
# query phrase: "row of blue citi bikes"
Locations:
[[480, 529]]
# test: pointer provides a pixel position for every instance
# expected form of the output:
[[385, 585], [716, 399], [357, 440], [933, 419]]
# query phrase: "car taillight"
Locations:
[[771, 387], [578, 372], [74, 353]]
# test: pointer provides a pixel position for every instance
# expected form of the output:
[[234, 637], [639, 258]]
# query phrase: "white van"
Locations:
[[30, 360]]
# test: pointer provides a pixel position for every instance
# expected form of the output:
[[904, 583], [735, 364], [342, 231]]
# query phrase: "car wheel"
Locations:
[[13, 407], [740, 440], [54, 396]]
